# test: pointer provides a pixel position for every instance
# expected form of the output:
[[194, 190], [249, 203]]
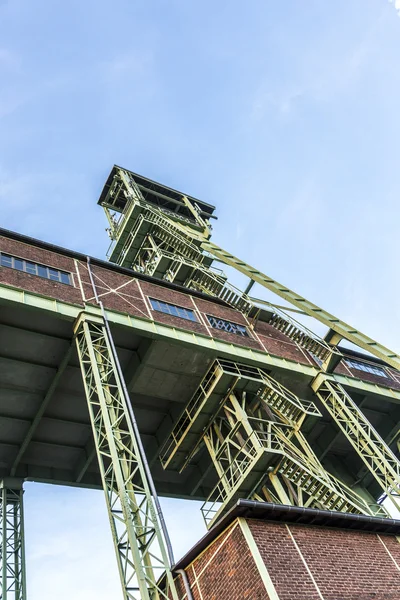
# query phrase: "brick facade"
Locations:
[[303, 562], [122, 292], [345, 565], [225, 570]]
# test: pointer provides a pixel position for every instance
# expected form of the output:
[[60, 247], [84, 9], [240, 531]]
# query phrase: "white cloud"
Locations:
[[396, 4]]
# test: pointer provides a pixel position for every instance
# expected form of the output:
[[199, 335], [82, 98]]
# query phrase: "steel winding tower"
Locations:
[[248, 429], [249, 423]]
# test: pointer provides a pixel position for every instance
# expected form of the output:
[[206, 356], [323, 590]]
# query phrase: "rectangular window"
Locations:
[[172, 309], [6, 260], [366, 367], [227, 326]]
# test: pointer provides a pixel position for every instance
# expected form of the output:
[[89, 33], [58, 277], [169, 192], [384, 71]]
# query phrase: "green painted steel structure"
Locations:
[[12, 549], [136, 532], [245, 431], [242, 426]]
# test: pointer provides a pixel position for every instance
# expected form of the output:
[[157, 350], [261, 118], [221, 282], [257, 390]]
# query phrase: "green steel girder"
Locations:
[[369, 445], [137, 536], [250, 452], [202, 408], [12, 545], [340, 327], [153, 330]]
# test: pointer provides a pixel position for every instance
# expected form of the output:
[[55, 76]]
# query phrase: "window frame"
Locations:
[[245, 333], [26, 262], [366, 367], [184, 314]]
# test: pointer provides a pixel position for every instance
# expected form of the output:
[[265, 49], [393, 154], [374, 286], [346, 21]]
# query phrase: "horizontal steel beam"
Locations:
[[34, 332], [56, 420], [367, 387]]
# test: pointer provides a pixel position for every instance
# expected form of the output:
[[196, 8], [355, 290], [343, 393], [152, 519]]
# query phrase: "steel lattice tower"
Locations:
[[195, 405]]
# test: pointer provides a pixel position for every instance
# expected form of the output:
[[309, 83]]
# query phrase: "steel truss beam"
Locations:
[[137, 536], [12, 545], [340, 327], [367, 442], [250, 425]]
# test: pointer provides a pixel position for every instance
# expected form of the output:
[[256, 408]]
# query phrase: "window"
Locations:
[[367, 367], [227, 326], [171, 309], [6, 260]]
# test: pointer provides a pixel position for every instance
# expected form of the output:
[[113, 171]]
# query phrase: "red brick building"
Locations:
[[261, 551]]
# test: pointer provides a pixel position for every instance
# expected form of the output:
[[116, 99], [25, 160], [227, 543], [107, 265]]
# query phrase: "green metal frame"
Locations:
[[369, 445], [184, 237], [256, 448], [197, 239], [342, 329], [251, 453], [224, 443], [137, 536], [12, 549], [250, 424]]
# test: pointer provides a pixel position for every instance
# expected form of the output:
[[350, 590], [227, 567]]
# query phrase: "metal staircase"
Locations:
[[300, 335], [320, 492], [222, 377], [250, 425], [247, 464]]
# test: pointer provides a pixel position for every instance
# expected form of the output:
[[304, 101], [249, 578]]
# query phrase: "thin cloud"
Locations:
[[396, 4]]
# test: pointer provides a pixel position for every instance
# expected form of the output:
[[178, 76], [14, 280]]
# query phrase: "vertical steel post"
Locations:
[[138, 540], [12, 548]]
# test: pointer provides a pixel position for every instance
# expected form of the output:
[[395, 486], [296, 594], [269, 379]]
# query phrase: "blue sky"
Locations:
[[283, 114]]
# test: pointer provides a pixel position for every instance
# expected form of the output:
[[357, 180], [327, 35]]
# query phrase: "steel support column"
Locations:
[[366, 441], [12, 545], [138, 541]]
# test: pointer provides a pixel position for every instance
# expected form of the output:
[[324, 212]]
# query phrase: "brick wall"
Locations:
[[274, 341], [225, 570], [345, 565], [32, 283], [302, 561]]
